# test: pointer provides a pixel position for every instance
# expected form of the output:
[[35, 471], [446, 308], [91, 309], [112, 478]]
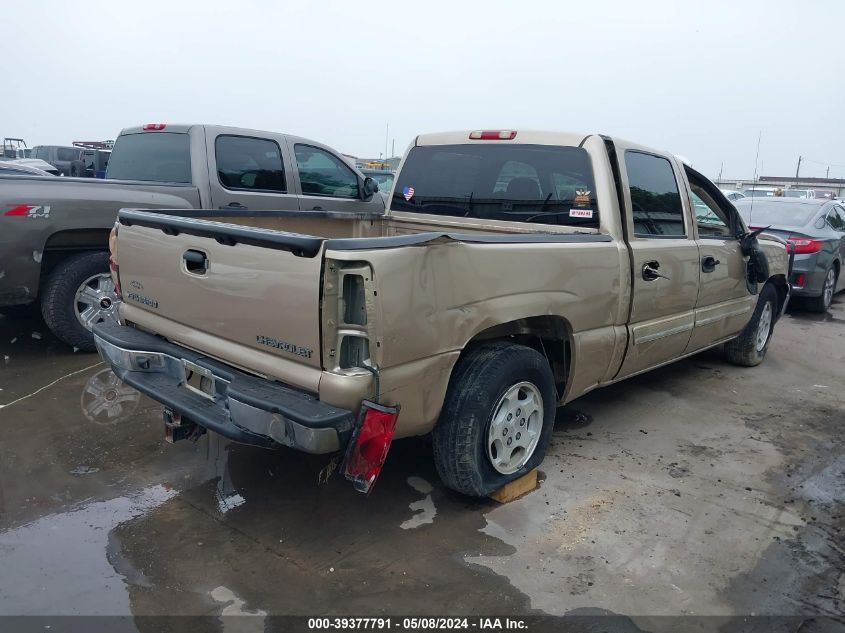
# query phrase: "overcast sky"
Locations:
[[701, 79]]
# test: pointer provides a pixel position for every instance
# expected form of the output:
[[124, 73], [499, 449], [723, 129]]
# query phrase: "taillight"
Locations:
[[799, 280], [493, 135], [157, 127], [114, 268], [804, 245], [369, 445]]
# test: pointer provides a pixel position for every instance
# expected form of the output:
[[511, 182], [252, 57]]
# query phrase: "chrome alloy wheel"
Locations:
[[764, 326], [96, 301], [829, 287], [515, 428]]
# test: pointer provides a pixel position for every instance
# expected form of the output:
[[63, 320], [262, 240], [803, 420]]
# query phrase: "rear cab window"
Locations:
[[247, 163], [655, 198], [151, 156], [537, 184]]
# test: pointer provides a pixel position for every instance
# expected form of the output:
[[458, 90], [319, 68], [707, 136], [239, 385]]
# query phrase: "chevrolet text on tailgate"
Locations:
[[513, 272]]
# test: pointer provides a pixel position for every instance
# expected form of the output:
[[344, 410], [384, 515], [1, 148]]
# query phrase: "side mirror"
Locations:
[[369, 188]]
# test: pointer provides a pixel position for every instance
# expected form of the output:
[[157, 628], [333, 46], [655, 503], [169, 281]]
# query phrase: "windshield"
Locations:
[[796, 193], [151, 156], [758, 192], [777, 213], [522, 183]]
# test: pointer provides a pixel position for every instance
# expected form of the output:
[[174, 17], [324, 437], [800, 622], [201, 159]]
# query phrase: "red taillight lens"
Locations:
[[803, 245], [369, 445], [799, 281], [154, 126], [493, 135]]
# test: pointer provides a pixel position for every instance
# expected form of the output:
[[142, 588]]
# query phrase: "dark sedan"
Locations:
[[815, 228]]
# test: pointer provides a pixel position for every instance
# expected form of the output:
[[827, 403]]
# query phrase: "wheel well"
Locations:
[[63, 244], [549, 335]]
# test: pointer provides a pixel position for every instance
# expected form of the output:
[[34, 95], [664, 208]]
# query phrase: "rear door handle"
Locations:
[[234, 205], [196, 262], [709, 263]]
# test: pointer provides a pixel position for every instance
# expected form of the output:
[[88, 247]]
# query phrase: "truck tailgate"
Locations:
[[229, 291]]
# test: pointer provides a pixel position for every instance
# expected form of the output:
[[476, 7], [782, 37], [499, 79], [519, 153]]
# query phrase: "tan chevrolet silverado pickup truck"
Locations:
[[512, 272]]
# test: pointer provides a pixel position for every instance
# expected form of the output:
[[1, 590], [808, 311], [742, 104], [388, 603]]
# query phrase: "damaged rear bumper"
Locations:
[[237, 405]]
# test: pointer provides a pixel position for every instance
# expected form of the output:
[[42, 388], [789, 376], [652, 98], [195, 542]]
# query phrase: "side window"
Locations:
[[42, 153], [249, 164], [324, 174], [712, 220], [836, 219], [654, 196]]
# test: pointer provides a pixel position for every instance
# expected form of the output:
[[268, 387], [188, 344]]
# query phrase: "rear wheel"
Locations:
[[497, 418], [77, 169], [749, 348], [78, 294], [823, 301]]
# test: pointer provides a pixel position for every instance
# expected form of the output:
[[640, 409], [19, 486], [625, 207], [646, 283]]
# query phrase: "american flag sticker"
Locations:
[[408, 192]]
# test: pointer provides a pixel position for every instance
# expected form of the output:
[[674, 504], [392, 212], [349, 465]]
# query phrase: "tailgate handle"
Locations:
[[195, 262]]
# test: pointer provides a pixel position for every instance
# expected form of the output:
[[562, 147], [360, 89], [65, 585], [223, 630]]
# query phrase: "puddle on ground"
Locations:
[[59, 564]]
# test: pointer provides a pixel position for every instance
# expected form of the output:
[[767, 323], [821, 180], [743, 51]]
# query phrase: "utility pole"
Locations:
[[827, 174], [721, 165], [393, 148], [386, 135], [797, 169]]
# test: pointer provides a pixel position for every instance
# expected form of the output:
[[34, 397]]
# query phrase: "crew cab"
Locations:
[[513, 272], [54, 231]]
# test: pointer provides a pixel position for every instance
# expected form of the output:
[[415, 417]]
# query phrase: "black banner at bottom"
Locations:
[[408, 624]]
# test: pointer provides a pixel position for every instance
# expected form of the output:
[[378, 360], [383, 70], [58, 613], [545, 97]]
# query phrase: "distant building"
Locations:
[[834, 185]]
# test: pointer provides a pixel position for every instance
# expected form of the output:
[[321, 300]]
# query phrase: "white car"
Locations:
[[17, 168], [37, 163], [732, 194]]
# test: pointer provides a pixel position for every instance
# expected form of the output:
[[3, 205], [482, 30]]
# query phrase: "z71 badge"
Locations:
[[29, 210]]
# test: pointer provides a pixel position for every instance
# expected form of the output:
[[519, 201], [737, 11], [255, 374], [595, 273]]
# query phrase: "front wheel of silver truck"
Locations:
[[749, 348], [497, 418], [79, 292]]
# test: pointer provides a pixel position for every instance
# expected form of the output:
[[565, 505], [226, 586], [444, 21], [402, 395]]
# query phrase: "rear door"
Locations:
[[249, 172], [327, 182], [724, 303], [664, 258]]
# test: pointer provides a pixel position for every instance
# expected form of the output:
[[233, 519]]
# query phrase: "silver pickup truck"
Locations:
[[514, 272], [54, 231]]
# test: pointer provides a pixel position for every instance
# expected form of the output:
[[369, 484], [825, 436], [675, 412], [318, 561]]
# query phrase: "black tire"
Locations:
[[822, 302], [77, 169], [745, 350], [480, 379], [58, 297]]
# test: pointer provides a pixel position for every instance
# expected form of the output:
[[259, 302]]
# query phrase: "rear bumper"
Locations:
[[244, 408]]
